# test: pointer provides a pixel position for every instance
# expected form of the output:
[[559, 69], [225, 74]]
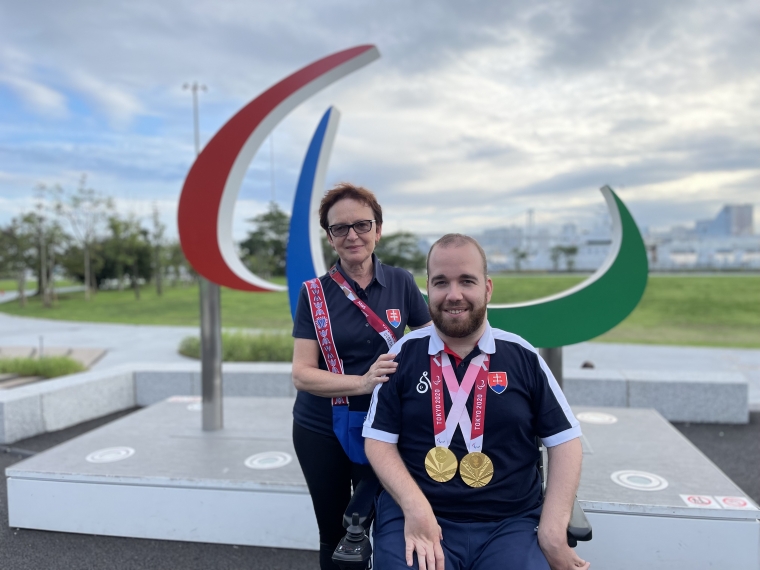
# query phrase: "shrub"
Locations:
[[245, 347], [47, 366]]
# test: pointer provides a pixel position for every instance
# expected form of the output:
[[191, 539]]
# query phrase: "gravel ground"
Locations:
[[734, 448]]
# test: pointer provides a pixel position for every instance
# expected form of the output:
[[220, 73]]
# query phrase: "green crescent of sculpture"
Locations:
[[595, 305]]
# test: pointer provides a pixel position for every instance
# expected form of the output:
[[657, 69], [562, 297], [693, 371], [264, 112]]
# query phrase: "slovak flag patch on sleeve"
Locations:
[[497, 381], [394, 317]]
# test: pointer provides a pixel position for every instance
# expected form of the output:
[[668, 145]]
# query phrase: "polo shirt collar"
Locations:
[[377, 267], [486, 343]]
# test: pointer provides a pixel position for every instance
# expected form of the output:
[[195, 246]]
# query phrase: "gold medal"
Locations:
[[441, 464], [476, 469]]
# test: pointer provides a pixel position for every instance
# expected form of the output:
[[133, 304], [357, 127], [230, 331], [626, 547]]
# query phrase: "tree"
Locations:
[[176, 261], [570, 253], [17, 253], [138, 253], [555, 253], [265, 248], [157, 243], [401, 250], [518, 255], [85, 209], [48, 237]]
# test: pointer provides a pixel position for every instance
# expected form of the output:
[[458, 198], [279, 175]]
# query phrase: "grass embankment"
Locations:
[[721, 310], [47, 366], [243, 347], [178, 306], [12, 284], [695, 311]]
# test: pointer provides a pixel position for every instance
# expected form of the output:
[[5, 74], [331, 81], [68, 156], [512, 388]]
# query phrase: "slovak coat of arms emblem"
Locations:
[[497, 381], [394, 317]]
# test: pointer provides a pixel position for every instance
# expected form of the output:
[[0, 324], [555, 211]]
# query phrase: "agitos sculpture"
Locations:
[[208, 197]]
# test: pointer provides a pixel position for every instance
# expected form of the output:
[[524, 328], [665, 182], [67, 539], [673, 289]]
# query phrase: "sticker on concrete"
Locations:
[[735, 503], [110, 454], [597, 418], [195, 407], [184, 399], [639, 480], [268, 460], [700, 501]]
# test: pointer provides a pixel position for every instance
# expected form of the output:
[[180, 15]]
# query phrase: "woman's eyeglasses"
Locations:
[[341, 230]]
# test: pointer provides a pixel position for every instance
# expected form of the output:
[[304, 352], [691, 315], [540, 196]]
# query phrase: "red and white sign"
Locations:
[[735, 503], [700, 501]]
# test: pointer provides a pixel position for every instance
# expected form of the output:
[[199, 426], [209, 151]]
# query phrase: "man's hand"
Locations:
[[423, 535], [553, 543]]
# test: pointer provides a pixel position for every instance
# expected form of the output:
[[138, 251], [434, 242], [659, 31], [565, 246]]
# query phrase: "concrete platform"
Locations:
[[680, 396], [653, 499], [155, 474]]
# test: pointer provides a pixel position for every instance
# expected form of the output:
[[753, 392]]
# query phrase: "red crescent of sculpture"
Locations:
[[211, 188]]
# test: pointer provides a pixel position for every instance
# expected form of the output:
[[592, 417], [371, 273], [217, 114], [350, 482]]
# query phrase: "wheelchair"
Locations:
[[354, 551]]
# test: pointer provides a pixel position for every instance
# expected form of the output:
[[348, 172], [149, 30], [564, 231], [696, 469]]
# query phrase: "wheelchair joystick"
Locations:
[[354, 550]]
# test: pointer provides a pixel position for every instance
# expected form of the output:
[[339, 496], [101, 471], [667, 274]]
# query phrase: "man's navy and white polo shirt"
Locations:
[[358, 344], [532, 405]]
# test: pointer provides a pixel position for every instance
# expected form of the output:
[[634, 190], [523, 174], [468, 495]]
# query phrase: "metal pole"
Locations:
[[553, 358], [211, 324], [211, 356]]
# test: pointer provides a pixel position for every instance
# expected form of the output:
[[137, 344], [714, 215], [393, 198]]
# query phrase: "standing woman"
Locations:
[[345, 322]]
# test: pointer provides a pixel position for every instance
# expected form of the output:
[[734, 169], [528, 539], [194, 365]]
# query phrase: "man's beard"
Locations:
[[461, 328]]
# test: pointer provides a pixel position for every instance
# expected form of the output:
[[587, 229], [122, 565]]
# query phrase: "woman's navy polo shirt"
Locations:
[[358, 344], [532, 405]]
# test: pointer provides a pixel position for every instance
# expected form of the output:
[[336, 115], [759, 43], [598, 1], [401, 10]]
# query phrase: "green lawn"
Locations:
[[12, 284], [686, 310]]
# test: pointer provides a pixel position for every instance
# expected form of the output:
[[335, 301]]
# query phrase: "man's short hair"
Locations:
[[456, 240], [346, 190]]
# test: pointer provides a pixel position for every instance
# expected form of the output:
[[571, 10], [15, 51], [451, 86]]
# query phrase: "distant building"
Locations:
[[732, 220], [726, 242]]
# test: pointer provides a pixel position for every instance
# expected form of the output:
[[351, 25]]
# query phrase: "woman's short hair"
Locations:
[[346, 190]]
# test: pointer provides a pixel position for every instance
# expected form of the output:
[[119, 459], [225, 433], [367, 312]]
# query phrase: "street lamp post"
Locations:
[[211, 323]]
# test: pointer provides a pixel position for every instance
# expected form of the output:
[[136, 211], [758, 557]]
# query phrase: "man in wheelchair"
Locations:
[[461, 488]]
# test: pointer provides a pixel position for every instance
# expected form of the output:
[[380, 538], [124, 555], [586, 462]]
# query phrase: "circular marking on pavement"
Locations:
[[268, 460], [195, 407], [639, 480], [110, 454], [597, 418]]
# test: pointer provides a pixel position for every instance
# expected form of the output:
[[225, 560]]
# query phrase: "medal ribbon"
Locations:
[[476, 373], [374, 321]]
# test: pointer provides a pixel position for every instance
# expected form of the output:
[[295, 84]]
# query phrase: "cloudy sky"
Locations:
[[475, 113]]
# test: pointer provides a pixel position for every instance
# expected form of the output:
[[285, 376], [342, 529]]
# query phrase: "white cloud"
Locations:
[[37, 96], [474, 114]]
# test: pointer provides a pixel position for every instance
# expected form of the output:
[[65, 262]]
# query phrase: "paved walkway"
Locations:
[[124, 343], [148, 343]]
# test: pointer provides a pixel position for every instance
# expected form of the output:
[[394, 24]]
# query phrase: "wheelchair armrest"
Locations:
[[363, 502], [578, 529], [354, 550]]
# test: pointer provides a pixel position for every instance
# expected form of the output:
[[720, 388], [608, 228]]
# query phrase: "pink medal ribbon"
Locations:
[[472, 431]]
